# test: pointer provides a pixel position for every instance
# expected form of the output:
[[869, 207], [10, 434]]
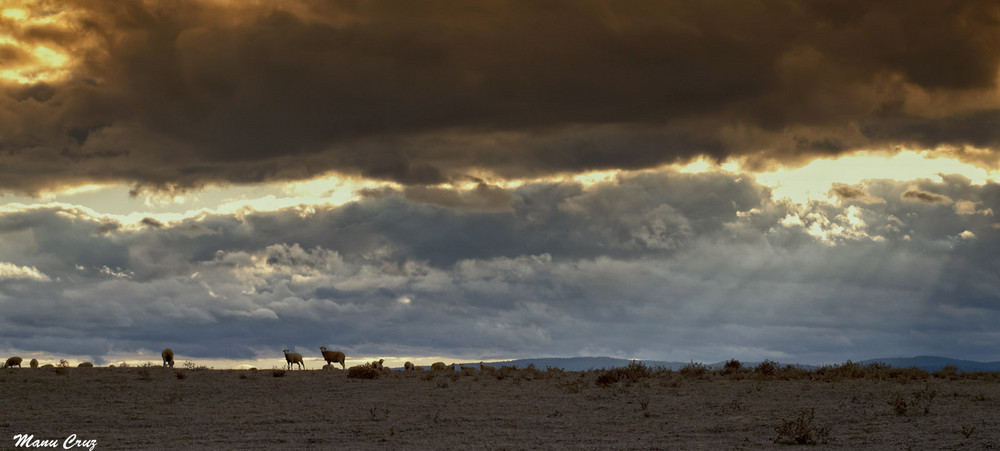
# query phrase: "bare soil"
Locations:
[[159, 408]]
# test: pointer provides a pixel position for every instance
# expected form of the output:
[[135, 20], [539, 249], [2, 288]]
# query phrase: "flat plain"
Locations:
[[630, 408]]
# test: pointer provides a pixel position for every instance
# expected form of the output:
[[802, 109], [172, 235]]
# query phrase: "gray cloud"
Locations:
[[636, 267], [179, 96]]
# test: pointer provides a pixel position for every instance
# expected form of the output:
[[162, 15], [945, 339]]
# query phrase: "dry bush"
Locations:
[[694, 369], [277, 372], [633, 372], [732, 367], [180, 375], [766, 368], [947, 372], [919, 402], [144, 374], [366, 371], [801, 430]]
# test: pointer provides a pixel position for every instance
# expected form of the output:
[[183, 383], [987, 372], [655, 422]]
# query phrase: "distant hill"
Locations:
[[599, 363], [932, 363], [929, 363], [584, 363]]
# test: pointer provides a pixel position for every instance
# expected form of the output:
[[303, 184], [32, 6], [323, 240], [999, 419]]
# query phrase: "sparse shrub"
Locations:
[[732, 367], [919, 402], [366, 371], [277, 372], [801, 430], [766, 368], [144, 374], [180, 375], [633, 372], [63, 363], [947, 372], [694, 369]]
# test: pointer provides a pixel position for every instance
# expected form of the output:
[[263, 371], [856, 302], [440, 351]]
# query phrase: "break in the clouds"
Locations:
[[178, 95], [658, 265]]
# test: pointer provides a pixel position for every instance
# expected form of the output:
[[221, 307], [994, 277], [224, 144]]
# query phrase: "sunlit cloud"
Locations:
[[12, 271]]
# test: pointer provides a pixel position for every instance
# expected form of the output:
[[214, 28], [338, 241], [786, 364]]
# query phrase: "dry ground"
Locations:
[[154, 408]]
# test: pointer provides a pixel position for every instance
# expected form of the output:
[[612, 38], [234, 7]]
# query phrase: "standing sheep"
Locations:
[[486, 368], [168, 357], [11, 362], [294, 358], [334, 357], [378, 364], [34, 363], [408, 366]]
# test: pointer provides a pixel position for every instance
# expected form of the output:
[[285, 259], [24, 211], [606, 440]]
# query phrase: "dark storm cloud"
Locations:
[[635, 267], [180, 94], [924, 196]]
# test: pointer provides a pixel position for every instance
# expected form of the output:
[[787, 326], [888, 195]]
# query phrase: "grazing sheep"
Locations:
[[34, 363], [440, 366], [294, 358], [329, 366], [13, 361], [85, 365], [168, 357], [378, 364], [334, 357], [48, 365], [486, 368], [468, 370], [408, 366]]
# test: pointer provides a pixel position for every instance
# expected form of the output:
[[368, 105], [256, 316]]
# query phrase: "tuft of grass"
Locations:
[[180, 375], [277, 372], [801, 430], [144, 374]]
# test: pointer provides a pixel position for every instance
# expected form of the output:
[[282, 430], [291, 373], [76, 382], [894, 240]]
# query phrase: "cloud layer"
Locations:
[[177, 95], [660, 266]]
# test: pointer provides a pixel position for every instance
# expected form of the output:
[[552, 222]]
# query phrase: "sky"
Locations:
[[808, 182]]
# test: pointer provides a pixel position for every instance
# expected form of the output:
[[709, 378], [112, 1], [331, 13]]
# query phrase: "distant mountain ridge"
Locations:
[[934, 363], [929, 363]]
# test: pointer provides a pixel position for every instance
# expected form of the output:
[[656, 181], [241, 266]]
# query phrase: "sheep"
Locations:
[[408, 366], [468, 370], [11, 362], [378, 364], [440, 366], [34, 363], [486, 368], [294, 358], [85, 365], [168, 357], [334, 357]]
